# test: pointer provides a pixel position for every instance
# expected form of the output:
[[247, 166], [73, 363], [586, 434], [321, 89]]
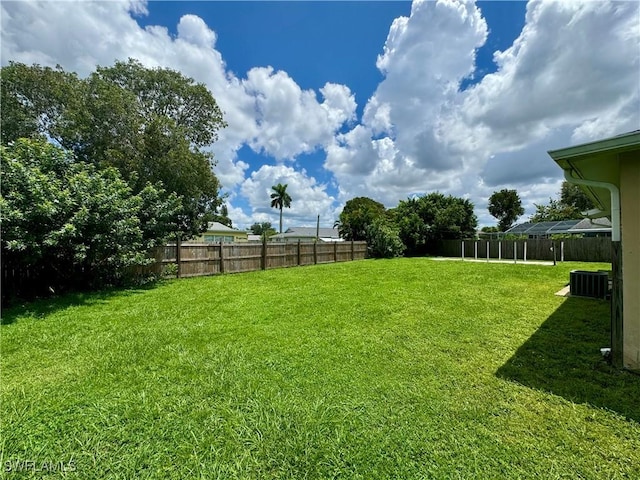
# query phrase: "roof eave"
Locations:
[[577, 162], [618, 144]]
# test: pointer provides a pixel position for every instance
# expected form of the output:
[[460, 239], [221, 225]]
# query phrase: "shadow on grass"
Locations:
[[46, 306], [563, 357]]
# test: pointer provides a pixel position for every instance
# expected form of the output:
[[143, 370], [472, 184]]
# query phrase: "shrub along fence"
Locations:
[[592, 249], [198, 259]]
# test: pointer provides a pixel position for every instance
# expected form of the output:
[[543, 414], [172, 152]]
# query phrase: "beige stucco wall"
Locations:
[[237, 236], [630, 223]]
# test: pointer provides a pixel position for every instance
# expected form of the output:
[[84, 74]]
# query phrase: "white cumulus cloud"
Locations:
[[290, 120], [571, 76], [192, 29], [399, 148]]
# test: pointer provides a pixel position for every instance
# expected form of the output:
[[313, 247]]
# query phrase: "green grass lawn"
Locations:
[[406, 368]]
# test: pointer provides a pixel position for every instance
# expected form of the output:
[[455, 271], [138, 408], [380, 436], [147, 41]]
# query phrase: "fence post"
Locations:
[[463, 250], [335, 252], [298, 252], [499, 249], [221, 257], [475, 249], [487, 251], [352, 253], [525, 251], [179, 256], [315, 252], [515, 252], [562, 251], [264, 252]]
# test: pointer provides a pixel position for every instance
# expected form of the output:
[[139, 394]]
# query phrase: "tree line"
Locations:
[[96, 170], [416, 225], [411, 228]]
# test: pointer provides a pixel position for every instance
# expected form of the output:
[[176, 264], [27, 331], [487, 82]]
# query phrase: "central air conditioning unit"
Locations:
[[589, 284]]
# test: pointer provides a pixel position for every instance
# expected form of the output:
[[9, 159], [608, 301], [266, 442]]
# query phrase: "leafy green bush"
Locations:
[[514, 236], [383, 240], [67, 225], [170, 270], [432, 217]]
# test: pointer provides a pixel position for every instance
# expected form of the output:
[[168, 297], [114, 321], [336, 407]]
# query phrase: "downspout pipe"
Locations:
[[615, 200]]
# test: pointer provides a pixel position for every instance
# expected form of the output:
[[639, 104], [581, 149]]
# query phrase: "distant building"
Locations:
[[217, 232], [599, 227], [307, 234]]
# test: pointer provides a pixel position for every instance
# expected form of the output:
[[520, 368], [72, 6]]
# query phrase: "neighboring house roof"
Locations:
[[220, 227], [594, 225], [599, 225], [309, 232]]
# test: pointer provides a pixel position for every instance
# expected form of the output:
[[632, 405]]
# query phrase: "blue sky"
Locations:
[[314, 42], [319, 42], [379, 99]]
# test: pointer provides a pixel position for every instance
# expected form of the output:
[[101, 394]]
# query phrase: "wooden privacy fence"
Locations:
[[198, 259], [593, 249]]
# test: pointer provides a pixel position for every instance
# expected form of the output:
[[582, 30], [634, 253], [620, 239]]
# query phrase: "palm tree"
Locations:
[[280, 198]]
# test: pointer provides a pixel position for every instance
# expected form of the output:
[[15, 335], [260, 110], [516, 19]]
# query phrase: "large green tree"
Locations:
[[432, 217], [222, 216], [71, 225], [37, 101], [570, 206], [555, 211], [280, 198], [506, 207], [357, 216], [153, 125], [574, 196], [264, 229]]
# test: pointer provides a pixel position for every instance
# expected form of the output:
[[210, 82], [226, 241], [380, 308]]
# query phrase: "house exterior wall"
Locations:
[[616, 160], [630, 226], [212, 236]]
